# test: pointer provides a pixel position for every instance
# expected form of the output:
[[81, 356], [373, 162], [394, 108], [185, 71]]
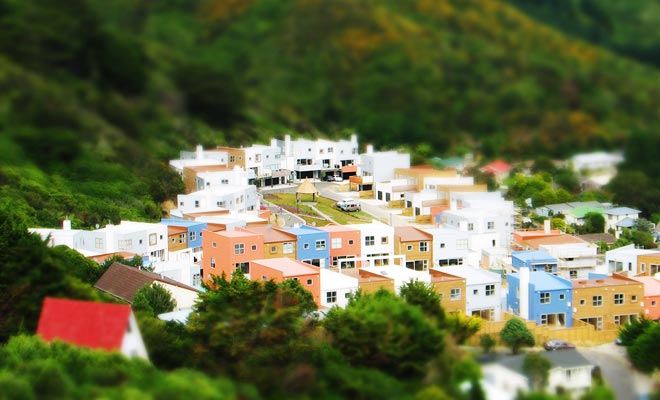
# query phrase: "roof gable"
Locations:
[[84, 323]]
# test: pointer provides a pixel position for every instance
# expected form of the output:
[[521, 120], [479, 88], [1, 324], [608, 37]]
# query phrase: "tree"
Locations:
[[516, 335], [594, 222], [424, 295], [487, 342], [462, 327], [382, 331], [537, 367], [154, 299], [629, 332]]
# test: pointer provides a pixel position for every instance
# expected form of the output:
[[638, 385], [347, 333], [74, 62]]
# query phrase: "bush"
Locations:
[[516, 335]]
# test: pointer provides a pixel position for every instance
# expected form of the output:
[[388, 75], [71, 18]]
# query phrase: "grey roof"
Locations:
[[626, 222], [568, 358], [622, 211]]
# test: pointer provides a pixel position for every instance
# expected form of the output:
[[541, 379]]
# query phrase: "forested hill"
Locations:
[[96, 95]]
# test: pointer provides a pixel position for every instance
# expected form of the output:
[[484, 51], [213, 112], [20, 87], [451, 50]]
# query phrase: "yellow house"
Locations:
[[607, 302], [415, 245], [177, 238], [277, 243], [369, 282], [648, 264], [451, 288]]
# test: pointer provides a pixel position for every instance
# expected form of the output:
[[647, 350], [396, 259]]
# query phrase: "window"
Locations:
[[475, 292], [618, 298], [643, 267], [182, 238], [369, 241], [173, 240], [243, 267], [330, 150], [214, 245], [232, 158], [336, 243], [442, 245], [305, 246], [212, 262], [462, 244], [470, 226], [253, 247], [409, 247], [264, 278], [125, 244], [491, 225], [424, 247], [152, 239], [597, 301], [257, 157], [653, 303], [331, 297], [455, 294], [287, 247], [384, 240], [350, 242], [309, 282], [545, 297], [192, 235], [544, 319], [633, 298], [320, 245], [196, 203], [239, 248], [490, 290], [582, 302], [573, 274], [548, 268], [562, 296], [273, 249]]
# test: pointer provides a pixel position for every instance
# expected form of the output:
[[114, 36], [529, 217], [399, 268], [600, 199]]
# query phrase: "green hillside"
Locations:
[[97, 95]]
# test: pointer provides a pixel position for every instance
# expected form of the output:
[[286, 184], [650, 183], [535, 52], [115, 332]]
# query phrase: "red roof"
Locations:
[[497, 167], [84, 323]]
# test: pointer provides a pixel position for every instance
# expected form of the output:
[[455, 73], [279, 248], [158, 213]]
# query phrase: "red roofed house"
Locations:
[[93, 325], [499, 169]]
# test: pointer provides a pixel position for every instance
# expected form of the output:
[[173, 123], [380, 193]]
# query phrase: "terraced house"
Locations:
[[415, 245]]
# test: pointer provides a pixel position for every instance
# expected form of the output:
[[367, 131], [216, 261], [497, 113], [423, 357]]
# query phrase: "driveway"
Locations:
[[627, 383]]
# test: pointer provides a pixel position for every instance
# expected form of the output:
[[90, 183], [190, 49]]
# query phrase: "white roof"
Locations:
[[334, 280], [400, 274], [132, 226], [630, 250], [472, 275], [177, 316], [219, 190]]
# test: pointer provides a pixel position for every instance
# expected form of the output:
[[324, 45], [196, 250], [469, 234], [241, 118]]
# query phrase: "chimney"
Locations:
[[66, 224], [354, 139], [370, 149], [546, 226], [199, 152], [524, 292], [287, 145]]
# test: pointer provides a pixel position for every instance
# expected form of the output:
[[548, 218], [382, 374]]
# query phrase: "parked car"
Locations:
[[341, 202], [329, 178], [555, 344], [338, 178], [350, 205]]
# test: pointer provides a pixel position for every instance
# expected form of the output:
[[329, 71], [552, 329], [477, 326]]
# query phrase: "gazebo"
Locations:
[[306, 187]]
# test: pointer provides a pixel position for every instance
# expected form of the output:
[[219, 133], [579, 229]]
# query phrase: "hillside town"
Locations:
[[434, 224]]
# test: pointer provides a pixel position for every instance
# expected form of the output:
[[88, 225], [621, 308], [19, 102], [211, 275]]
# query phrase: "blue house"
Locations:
[[544, 298], [313, 245], [535, 260]]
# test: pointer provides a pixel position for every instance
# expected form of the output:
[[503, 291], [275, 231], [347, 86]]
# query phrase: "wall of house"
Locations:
[[415, 253], [185, 298], [132, 345], [584, 305], [350, 245], [647, 264], [310, 282], [224, 252], [480, 301], [276, 249], [178, 242], [557, 304], [652, 307], [578, 383], [307, 247], [376, 285], [444, 290]]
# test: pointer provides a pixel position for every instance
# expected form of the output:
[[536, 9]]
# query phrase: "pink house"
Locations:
[[279, 269], [344, 243], [651, 296], [230, 251]]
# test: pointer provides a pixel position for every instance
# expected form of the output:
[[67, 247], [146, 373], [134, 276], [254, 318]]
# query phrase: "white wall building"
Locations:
[[312, 158], [449, 246], [56, 237], [186, 272], [615, 216], [234, 177], [574, 260], [142, 238], [336, 288], [377, 243], [199, 157], [381, 165], [400, 274], [236, 199], [623, 260], [484, 291]]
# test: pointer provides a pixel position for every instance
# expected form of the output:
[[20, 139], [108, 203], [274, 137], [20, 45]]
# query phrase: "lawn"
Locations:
[[327, 206]]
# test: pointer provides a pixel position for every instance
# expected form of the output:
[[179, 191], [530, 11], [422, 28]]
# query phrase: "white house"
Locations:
[[336, 288], [574, 260], [450, 246], [143, 238], [623, 260], [381, 165], [199, 157], [65, 236], [184, 271], [400, 274], [504, 377], [484, 291], [377, 241], [313, 158], [236, 176], [618, 218], [236, 199]]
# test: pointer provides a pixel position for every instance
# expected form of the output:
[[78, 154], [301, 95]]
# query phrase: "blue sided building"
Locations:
[[535, 260], [540, 296], [313, 245]]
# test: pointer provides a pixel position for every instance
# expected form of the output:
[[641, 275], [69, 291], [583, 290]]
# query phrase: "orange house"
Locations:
[[415, 244], [452, 289], [279, 269], [344, 243], [277, 243], [651, 296], [229, 251]]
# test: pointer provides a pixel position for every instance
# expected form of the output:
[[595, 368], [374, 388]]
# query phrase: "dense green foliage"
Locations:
[[516, 335], [537, 369], [154, 299], [643, 352]]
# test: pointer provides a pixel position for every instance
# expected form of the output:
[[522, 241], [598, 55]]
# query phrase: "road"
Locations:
[[618, 374]]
